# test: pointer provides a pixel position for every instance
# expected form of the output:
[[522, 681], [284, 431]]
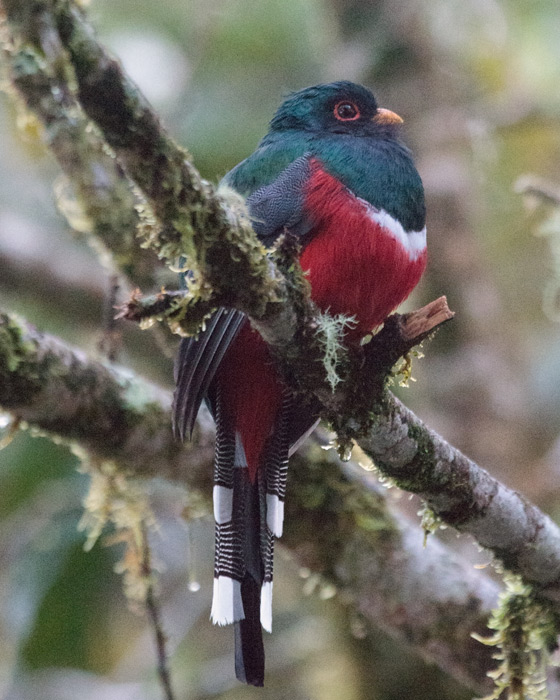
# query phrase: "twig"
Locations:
[[145, 308], [111, 339], [417, 325], [152, 608], [180, 311]]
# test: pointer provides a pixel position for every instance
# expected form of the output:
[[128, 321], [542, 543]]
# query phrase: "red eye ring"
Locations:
[[346, 111]]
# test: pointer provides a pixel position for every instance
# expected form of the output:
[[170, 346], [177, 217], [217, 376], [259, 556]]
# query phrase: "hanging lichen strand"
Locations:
[[525, 635]]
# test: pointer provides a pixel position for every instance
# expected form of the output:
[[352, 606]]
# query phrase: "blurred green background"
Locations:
[[477, 84]]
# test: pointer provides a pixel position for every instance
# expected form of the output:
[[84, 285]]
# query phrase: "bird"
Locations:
[[333, 172]]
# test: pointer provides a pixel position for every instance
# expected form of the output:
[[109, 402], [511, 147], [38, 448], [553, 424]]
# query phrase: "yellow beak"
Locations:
[[385, 117]]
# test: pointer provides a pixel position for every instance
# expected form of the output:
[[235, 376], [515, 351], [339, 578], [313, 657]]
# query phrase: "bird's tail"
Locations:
[[248, 518], [249, 649]]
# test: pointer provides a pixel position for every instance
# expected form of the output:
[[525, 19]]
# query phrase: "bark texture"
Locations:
[[369, 552], [84, 102]]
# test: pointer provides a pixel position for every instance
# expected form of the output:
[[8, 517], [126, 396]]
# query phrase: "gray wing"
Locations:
[[280, 205], [274, 208]]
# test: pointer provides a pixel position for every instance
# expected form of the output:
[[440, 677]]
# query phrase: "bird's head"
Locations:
[[340, 108]]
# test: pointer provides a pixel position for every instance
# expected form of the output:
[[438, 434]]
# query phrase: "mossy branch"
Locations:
[[104, 410], [464, 495], [216, 236], [62, 74], [195, 221], [190, 218], [120, 417], [96, 196], [208, 227], [369, 553]]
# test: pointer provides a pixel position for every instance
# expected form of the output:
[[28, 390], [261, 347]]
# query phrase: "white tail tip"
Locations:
[[227, 606], [274, 514], [266, 606]]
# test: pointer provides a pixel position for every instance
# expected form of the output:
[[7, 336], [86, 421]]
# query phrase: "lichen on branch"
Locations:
[[62, 392], [208, 228], [525, 634], [65, 77], [96, 196]]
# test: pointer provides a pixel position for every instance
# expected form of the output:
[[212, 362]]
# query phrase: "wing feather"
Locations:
[[196, 364]]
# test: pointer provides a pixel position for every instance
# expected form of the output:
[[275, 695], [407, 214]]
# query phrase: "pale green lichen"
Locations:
[[430, 522], [148, 226], [525, 635], [28, 125], [15, 348], [330, 333], [236, 208], [402, 372], [117, 501]]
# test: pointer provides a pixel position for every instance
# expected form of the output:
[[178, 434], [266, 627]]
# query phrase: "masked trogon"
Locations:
[[333, 171]]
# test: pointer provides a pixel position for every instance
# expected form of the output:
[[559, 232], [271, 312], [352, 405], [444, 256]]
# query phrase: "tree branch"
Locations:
[[427, 597], [222, 248], [465, 496], [101, 409], [196, 222], [370, 553], [214, 232], [97, 197]]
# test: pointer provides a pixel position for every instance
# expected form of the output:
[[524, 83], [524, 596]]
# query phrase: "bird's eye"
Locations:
[[346, 111]]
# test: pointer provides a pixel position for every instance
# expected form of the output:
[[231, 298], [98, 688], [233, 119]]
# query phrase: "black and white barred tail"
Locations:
[[249, 516]]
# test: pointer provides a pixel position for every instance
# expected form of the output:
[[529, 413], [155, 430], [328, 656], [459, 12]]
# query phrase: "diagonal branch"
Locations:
[[222, 249], [59, 69], [96, 196], [465, 496], [369, 552], [101, 409], [195, 221]]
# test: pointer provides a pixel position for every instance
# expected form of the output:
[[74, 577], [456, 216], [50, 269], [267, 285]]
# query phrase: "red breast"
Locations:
[[356, 265]]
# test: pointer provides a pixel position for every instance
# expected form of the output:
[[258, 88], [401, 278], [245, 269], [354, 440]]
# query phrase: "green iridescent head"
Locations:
[[339, 108]]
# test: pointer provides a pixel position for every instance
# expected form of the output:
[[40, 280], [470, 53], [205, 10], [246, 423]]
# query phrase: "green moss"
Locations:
[[18, 368], [402, 372], [11, 353], [430, 522], [122, 503], [526, 627]]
